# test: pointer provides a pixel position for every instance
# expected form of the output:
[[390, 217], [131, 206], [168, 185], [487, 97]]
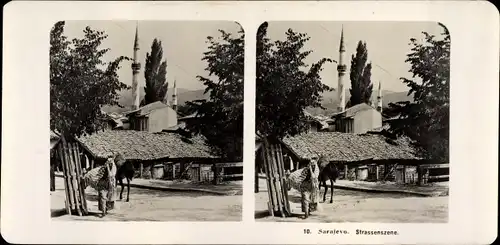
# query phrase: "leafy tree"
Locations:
[[221, 116], [285, 84], [155, 75], [184, 110], [80, 81], [360, 74], [426, 120]]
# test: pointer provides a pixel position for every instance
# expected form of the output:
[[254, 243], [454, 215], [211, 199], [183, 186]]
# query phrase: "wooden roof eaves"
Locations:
[[86, 148], [292, 151]]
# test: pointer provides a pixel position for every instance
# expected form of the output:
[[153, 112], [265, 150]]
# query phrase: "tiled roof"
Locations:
[[349, 147], [353, 110], [143, 145]]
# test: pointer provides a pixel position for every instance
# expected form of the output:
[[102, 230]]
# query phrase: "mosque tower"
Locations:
[[174, 96], [379, 97], [136, 67], [341, 69]]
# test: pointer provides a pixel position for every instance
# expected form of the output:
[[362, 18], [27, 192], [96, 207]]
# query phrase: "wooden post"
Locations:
[[141, 169], [199, 172], [152, 169], [173, 170], [346, 172], [404, 174], [376, 172], [256, 177], [216, 174], [52, 177]]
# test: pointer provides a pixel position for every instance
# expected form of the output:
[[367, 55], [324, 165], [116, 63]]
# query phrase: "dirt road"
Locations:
[[357, 206], [153, 205]]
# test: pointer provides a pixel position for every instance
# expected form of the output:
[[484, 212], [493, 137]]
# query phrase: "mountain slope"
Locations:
[[330, 100], [184, 95]]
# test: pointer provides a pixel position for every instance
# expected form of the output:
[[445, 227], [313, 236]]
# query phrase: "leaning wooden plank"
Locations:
[[281, 182], [70, 179], [79, 179], [268, 181], [272, 178], [67, 203], [284, 182], [73, 179], [275, 179]]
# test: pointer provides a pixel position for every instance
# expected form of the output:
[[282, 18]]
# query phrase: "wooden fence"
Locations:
[[68, 154], [433, 173], [276, 180]]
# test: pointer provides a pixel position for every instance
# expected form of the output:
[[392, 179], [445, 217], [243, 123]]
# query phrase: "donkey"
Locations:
[[125, 171], [327, 171]]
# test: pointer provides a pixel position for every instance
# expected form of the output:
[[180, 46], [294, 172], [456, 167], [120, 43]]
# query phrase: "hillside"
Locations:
[[184, 95], [330, 100]]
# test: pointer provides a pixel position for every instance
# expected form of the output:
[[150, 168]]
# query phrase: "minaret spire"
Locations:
[[341, 69], [136, 67], [379, 97], [174, 96]]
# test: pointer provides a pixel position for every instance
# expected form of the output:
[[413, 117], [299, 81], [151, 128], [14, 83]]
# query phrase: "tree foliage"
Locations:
[[80, 81], [426, 120], [286, 85], [360, 74], [155, 75], [221, 116]]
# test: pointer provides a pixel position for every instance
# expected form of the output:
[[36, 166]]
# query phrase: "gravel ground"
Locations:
[[153, 205], [357, 206]]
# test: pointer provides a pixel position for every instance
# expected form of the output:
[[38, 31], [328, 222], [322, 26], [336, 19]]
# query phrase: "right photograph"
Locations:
[[352, 122]]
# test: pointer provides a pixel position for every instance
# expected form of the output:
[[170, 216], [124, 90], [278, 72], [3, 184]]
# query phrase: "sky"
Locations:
[[185, 41], [387, 44], [183, 45]]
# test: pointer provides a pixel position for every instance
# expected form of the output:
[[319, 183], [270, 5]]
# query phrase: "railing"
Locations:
[[433, 173]]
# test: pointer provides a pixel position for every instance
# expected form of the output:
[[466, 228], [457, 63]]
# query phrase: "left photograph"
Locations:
[[146, 120]]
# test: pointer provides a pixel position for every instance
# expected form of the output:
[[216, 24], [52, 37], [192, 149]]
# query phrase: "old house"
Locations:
[[357, 119], [316, 123], [161, 155], [153, 117], [184, 121], [358, 156]]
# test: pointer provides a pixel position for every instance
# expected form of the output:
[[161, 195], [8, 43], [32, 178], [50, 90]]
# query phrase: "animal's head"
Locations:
[[118, 159], [322, 161]]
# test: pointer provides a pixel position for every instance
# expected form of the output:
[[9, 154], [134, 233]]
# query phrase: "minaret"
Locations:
[[136, 67], [379, 97], [341, 69], [174, 97]]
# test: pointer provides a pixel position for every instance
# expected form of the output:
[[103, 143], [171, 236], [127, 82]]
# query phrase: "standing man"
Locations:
[[306, 181], [103, 180]]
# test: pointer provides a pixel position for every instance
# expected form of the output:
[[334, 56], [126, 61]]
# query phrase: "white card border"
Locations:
[[474, 32]]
